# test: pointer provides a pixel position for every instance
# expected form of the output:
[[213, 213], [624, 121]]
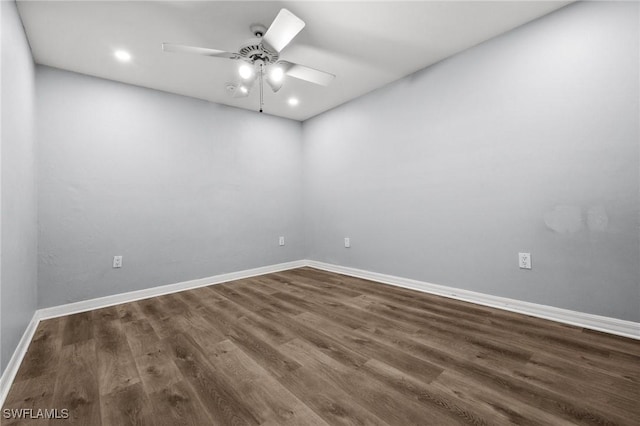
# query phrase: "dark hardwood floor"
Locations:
[[312, 347]]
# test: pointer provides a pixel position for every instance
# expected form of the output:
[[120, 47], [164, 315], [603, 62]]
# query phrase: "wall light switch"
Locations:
[[347, 242], [524, 260], [281, 241], [117, 261]]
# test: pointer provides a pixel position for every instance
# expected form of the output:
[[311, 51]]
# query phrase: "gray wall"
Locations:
[[18, 248], [526, 143], [182, 188]]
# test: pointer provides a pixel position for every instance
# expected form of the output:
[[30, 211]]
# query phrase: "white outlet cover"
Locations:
[[347, 242], [281, 241], [524, 260], [117, 261]]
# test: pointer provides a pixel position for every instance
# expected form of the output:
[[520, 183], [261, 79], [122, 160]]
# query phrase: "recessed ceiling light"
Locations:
[[293, 101], [122, 55]]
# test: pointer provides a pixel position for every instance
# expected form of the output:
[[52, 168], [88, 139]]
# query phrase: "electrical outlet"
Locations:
[[117, 261], [524, 260], [281, 241], [347, 242]]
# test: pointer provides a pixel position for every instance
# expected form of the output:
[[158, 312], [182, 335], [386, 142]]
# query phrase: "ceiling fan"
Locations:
[[261, 57]]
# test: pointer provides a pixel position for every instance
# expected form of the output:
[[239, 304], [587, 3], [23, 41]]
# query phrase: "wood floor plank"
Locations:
[[249, 340], [384, 402], [372, 347], [622, 393], [253, 320], [444, 334], [29, 394], [497, 378], [201, 330], [318, 287], [599, 395], [327, 398], [172, 305], [115, 364], [129, 312], [152, 312], [596, 359], [254, 300], [434, 303], [258, 285], [561, 334], [330, 312], [77, 328], [198, 297], [140, 335], [76, 387], [157, 369], [434, 398], [222, 400], [501, 403], [44, 351], [313, 347], [269, 400], [128, 406], [178, 405], [109, 313], [267, 285], [322, 341], [611, 341]]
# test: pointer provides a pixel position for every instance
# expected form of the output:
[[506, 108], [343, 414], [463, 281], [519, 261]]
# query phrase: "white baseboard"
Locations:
[[580, 319], [16, 359], [10, 372], [116, 299], [595, 322]]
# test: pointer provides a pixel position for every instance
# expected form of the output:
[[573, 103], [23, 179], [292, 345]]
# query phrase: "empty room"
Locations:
[[319, 213]]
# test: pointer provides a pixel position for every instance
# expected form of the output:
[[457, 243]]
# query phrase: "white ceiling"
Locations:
[[365, 44]]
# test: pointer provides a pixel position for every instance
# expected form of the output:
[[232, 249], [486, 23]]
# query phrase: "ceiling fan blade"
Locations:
[[283, 29], [180, 48], [311, 75]]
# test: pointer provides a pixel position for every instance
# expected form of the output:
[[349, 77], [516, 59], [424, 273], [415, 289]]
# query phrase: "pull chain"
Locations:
[[261, 96]]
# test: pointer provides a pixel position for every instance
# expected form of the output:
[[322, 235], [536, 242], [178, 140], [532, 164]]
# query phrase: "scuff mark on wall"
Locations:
[[564, 219], [597, 219], [568, 219]]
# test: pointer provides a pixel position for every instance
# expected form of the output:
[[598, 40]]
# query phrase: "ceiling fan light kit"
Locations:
[[260, 57], [246, 72]]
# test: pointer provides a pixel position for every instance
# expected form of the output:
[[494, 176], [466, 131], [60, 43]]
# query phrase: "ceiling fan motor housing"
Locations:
[[254, 49]]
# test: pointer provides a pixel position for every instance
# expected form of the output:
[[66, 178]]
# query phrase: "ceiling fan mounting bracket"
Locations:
[[258, 30]]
